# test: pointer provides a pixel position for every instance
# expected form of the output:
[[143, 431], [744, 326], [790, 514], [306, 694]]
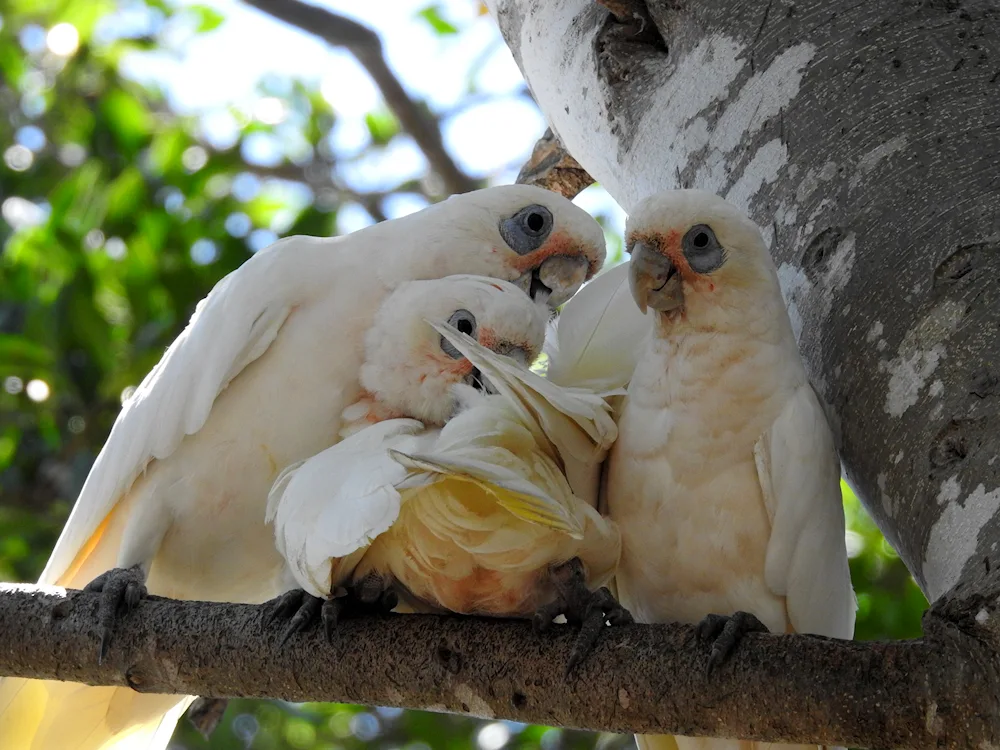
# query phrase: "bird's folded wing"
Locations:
[[597, 338], [332, 505], [230, 328], [799, 473]]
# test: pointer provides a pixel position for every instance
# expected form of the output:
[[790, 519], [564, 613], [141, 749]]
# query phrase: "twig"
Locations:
[[366, 47]]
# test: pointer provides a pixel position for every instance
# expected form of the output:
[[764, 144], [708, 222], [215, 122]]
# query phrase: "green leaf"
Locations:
[[85, 15], [125, 193], [166, 150], [382, 125], [128, 117], [79, 202], [8, 444], [209, 19], [432, 15], [18, 351]]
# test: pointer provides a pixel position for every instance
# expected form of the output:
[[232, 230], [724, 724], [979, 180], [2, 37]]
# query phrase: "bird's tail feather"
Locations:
[[51, 715]]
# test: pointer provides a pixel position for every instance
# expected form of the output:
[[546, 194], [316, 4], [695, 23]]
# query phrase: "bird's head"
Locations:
[[693, 253], [527, 235], [412, 369]]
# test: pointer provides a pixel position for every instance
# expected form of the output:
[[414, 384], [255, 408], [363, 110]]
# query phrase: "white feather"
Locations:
[[576, 420], [598, 337], [230, 328], [799, 473], [333, 504]]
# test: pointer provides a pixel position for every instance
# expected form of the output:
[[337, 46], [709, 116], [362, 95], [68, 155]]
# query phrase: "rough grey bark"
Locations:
[[550, 166], [929, 693], [863, 139]]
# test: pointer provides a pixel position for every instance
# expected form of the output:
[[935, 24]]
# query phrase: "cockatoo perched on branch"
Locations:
[[258, 380], [454, 498], [725, 480]]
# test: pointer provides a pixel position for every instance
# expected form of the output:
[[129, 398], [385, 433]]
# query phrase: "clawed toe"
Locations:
[[725, 632], [121, 590], [301, 610], [590, 610]]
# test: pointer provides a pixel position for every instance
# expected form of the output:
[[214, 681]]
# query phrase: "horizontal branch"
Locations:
[[648, 678]]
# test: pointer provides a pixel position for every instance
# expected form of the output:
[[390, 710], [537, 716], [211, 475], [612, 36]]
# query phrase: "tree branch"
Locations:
[[940, 691], [366, 47], [552, 167]]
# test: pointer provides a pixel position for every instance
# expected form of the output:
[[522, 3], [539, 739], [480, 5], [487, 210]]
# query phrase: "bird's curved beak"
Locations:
[[480, 382], [556, 280], [653, 279]]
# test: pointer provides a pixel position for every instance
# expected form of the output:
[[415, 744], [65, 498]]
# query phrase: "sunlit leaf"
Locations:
[[209, 18], [128, 117], [432, 16], [167, 149], [382, 125], [125, 193]]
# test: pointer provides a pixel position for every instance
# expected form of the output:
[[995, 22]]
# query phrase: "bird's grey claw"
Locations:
[[121, 590], [725, 633], [306, 615], [590, 610]]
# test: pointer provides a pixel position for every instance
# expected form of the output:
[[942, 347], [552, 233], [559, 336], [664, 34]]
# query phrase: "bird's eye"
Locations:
[[464, 322], [527, 230], [702, 249], [535, 222]]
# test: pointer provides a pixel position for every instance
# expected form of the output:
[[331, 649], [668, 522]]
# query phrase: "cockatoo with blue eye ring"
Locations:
[[449, 487], [257, 381], [725, 479]]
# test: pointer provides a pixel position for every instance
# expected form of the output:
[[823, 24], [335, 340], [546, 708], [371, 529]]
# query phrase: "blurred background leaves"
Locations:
[[119, 211]]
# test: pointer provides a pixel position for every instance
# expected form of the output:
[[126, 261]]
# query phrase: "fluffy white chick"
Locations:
[[258, 380], [725, 479], [454, 499]]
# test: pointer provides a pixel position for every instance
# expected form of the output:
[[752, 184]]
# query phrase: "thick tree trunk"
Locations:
[[863, 138]]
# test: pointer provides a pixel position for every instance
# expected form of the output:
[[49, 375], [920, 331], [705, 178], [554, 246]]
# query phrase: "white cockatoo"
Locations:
[[725, 479], [258, 380], [455, 499]]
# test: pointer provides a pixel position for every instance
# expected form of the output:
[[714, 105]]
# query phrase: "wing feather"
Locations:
[[576, 420], [329, 507], [799, 473], [596, 340], [230, 328]]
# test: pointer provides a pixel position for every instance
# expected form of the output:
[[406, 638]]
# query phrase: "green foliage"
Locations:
[[117, 217], [431, 15]]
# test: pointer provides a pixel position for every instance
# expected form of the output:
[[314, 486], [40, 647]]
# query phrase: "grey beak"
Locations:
[[653, 279]]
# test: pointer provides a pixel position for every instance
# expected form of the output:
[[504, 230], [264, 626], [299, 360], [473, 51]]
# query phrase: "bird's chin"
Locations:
[[669, 298]]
